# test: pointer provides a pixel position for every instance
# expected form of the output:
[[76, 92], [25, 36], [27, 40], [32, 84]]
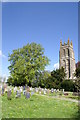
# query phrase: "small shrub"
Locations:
[[68, 85]]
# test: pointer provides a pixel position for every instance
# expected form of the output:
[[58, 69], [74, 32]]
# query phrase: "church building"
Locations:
[[67, 59]]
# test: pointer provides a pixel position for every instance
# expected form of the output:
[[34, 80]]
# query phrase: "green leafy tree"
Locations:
[[77, 85], [54, 79], [26, 63], [57, 76], [43, 78], [77, 81], [68, 85], [77, 72]]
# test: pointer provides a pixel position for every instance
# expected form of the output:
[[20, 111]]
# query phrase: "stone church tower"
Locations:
[[66, 59]]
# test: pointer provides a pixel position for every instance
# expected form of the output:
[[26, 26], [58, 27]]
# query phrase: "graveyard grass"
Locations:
[[38, 107]]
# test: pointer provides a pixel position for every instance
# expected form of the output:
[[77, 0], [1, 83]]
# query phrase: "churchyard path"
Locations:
[[61, 98]]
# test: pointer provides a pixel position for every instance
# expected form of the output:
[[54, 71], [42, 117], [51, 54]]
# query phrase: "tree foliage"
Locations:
[[77, 81], [55, 79], [58, 74], [68, 85], [77, 72], [26, 63]]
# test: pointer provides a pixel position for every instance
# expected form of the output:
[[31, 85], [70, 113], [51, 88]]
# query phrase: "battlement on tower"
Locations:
[[67, 44]]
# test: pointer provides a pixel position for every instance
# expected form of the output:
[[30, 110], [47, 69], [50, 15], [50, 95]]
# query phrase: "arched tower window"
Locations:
[[64, 64], [68, 51], [64, 51]]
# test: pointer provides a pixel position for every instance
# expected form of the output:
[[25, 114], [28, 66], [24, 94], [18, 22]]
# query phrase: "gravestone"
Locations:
[[32, 93], [57, 90], [36, 90], [14, 90], [24, 92], [27, 92], [2, 89], [39, 92], [63, 91], [19, 93], [27, 95], [52, 90], [44, 92], [21, 89]]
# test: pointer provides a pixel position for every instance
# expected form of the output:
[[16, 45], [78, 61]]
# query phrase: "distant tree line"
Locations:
[[27, 66]]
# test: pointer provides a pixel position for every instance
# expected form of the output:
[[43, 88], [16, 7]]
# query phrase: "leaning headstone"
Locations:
[[2, 89], [57, 90], [52, 90], [15, 89], [24, 92], [63, 91], [32, 93], [44, 92], [27, 95], [19, 93], [39, 92], [39, 88], [9, 94], [36, 90], [21, 89]]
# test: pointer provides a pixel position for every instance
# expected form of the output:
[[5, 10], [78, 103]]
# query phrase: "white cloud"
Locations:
[[4, 0], [56, 66], [4, 76], [2, 55]]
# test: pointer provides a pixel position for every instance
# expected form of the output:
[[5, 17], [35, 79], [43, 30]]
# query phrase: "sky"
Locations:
[[79, 31], [43, 23]]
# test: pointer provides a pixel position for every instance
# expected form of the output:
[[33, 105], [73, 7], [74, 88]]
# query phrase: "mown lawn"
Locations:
[[38, 107]]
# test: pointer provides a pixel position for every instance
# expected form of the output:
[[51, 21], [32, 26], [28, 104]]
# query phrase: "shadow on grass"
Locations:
[[77, 115], [31, 100]]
